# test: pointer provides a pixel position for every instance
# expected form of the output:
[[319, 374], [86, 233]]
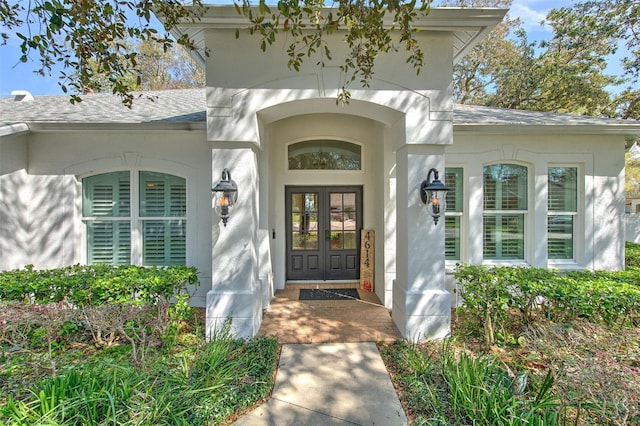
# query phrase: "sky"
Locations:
[[15, 75]]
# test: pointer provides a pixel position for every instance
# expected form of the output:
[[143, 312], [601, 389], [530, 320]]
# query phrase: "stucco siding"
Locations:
[[600, 161], [44, 199], [230, 66]]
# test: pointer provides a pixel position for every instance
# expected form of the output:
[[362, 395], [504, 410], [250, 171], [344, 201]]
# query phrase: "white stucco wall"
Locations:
[[632, 228], [42, 193], [599, 231]]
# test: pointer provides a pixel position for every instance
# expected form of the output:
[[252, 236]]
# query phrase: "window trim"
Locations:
[[134, 219], [527, 214], [579, 215], [363, 156], [450, 264]]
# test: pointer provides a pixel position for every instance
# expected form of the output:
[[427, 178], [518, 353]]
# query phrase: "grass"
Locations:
[[192, 383], [564, 374]]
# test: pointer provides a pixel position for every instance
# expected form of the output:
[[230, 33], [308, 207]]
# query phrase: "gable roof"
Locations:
[[185, 110], [468, 26]]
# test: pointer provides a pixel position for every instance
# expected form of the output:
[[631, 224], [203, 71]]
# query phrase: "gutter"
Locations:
[[13, 129], [146, 127], [630, 130]]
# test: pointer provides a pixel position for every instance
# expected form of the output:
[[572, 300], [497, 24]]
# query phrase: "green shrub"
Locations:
[[493, 294], [95, 284], [144, 307], [632, 255]]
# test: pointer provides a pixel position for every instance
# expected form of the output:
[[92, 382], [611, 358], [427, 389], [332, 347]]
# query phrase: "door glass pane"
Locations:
[[336, 240], [350, 242], [343, 220], [336, 220], [349, 200], [296, 202], [304, 221], [311, 241]]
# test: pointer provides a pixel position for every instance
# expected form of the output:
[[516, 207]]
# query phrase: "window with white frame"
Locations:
[[562, 209], [505, 210], [135, 218], [453, 177]]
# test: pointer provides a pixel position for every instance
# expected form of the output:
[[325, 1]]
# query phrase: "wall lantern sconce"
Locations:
[[226, 195], [433, 193]]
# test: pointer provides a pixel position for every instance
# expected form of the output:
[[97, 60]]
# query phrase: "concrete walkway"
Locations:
[[330, 384]]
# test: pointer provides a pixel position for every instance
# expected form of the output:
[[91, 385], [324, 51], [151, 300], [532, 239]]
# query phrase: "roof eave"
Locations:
[[13, 129], [154, 126], [628, 130]]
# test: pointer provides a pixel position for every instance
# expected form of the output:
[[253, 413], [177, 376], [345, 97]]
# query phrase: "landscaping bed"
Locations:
[[120, 346], [530, 347]]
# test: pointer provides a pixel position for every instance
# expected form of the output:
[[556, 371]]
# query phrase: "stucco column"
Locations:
[[421, 304], [235, 293]]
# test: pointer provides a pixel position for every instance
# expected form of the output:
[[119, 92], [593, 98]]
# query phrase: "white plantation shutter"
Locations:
[[163, 208], [562, 211], [178, 199], [106, 208], [505, 207], [453, 179], [161, 219]]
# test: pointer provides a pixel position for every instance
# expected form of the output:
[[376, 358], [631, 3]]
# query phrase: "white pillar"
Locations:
[[236, 293], [421, 303]]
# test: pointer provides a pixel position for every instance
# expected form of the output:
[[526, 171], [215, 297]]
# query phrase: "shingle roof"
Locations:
[[481, 115], [189, 105], [160, 106]]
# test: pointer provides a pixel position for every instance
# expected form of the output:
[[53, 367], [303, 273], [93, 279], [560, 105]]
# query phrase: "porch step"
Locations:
[[322, 285]]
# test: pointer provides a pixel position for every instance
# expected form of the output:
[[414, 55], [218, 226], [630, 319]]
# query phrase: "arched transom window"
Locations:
[[324, 155]]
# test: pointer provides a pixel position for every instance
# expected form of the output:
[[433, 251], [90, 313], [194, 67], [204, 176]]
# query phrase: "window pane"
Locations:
[[560, 237], [503, 236], [453, 179], [562, 197], [452, 237], [563, 189], [505, 187], [162, 195], [164, 242], [106, 195], [109, 242], [324, 154]]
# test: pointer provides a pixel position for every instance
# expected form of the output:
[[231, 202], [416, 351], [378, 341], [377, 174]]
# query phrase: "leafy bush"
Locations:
[[95, 284], [493, 293], [142, 306], [632, 255]]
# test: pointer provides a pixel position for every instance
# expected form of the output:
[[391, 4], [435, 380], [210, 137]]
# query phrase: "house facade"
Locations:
[[96, 182]]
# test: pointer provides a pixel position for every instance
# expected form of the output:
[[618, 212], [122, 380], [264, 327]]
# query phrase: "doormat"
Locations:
[[328, 294]]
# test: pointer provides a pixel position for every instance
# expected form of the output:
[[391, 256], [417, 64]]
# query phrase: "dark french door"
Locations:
[[323, 232]]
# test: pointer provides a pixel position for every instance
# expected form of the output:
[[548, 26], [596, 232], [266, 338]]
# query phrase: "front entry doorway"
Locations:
[[323, 232]]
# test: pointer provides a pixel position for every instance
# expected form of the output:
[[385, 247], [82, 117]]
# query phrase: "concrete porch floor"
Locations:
[[325, 321]]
